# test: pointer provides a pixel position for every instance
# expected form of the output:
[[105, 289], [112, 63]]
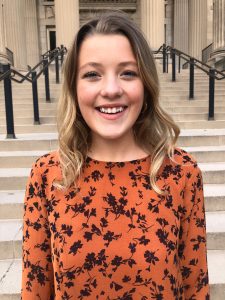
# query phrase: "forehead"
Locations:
[[105, 47]]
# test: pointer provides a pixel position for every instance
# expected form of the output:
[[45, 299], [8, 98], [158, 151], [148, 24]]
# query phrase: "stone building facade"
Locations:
[[29, 28]]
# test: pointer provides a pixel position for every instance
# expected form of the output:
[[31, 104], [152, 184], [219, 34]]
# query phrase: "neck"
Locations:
[[122, 149]]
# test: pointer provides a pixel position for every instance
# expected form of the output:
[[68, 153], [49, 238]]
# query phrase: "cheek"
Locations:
[[137, 95], [85, 95]]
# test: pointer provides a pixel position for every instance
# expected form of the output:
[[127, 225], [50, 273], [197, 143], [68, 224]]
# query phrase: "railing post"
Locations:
[[62, 55], [8, 103], [35, 98], [173, 65], [46, 73], [57, 69], [164, 58], [179, 64], [191, 79], [167, 62], [211, 93]]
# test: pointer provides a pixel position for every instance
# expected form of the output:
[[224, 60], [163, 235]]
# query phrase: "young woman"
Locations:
[[117, 212]]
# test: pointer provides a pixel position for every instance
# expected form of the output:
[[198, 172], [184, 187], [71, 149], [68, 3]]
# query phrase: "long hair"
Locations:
[[154, 129]]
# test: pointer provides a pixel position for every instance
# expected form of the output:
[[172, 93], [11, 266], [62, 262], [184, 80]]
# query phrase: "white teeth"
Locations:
[[112, 110]]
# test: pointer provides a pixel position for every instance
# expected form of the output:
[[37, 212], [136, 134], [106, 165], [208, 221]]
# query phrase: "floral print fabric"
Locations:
[[115, 237]]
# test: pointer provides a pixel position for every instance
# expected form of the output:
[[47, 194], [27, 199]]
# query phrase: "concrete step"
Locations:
[[10, 239], [10, 279], [216, 267], [213, 124], [30, 112], [28, 98], [14, 178], [41, 84], [213, 173], [11, 204], [29, 142], [182, 101], [47, 128], [20, 93], [192, 109], [185, 85], [184, 74], [28, 87], [214, 195], [182, 77], [19, 159], [10, 272], [48, 141], [30, 120], [21, 105], [201, 137], [24, 159], [18, 90], [207, 153], [215, 227], [183, 117], [203, 91]]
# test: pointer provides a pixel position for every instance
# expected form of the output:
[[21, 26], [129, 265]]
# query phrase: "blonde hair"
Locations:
[[154, 129]]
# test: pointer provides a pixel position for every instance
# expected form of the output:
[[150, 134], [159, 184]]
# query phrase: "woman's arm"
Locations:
[[37, 270], [192, 244]]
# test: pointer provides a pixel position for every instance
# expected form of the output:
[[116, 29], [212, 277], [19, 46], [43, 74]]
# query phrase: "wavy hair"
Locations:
[[154, 129]]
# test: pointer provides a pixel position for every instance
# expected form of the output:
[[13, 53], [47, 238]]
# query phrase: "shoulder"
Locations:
[[47, 160], [184, 158], [187, 164], [181, 162], [47, 164]]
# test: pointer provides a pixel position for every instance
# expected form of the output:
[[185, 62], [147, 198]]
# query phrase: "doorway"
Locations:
[[51, 38]]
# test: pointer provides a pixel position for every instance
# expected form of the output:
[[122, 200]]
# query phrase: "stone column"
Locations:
[[152, 21], [16, 31], [32, 33], [218, 25], [209, 22], [3, 55], [181, 25], [67, 21], [197, 27]]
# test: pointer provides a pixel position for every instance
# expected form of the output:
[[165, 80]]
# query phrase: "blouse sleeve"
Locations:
[[37, 270], [192, 244]]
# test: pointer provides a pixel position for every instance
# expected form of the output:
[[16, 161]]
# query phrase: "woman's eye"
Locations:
[[91, 75], [129, 74]]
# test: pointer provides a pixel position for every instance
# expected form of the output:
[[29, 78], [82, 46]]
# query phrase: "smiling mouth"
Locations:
[[111, 110]]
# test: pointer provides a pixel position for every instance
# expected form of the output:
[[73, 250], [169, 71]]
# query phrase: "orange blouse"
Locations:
[[115, 237]]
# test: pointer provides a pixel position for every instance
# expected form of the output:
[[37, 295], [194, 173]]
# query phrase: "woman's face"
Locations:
[[109, 89]]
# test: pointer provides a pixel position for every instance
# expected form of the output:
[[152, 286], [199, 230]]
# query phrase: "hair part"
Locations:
[[155, 131]]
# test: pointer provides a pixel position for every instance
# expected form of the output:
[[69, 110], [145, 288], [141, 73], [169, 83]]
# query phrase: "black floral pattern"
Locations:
[[115, 237]]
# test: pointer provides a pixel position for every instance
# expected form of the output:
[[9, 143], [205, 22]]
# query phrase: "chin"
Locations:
[[111, 135]]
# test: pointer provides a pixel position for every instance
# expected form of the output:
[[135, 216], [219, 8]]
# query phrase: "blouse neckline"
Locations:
[[133, 161]]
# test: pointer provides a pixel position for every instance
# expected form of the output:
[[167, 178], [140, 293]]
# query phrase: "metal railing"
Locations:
[[10, 56], [206, 52], [11, 74], [176, 56]]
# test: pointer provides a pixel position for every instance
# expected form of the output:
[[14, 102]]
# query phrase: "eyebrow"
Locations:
[[95, 64]]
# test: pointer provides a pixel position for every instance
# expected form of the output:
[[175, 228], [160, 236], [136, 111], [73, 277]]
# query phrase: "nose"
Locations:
[[111, 88]]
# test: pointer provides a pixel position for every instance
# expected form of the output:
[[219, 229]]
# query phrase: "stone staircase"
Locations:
[[204, 139]]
